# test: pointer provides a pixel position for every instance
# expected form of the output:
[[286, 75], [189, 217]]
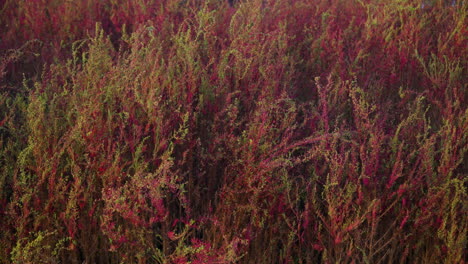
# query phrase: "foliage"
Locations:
[[256, 131]]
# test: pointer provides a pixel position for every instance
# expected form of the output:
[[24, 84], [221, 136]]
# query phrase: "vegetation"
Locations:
[[256, 131]]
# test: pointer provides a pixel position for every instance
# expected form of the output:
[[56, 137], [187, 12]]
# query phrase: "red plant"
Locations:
[[256, 131]]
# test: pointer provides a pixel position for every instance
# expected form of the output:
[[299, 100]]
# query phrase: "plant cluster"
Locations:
[[256, 131]]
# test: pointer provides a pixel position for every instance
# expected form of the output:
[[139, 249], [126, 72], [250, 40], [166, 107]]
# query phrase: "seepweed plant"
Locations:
[[266, 132]]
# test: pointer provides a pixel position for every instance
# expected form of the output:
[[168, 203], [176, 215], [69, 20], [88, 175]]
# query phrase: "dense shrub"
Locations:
[[256, 131]]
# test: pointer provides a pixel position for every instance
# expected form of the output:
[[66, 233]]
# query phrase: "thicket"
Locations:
[[257, 131]]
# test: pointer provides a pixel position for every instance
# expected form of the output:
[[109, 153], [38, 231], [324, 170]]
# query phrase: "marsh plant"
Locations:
[[256, 131]]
